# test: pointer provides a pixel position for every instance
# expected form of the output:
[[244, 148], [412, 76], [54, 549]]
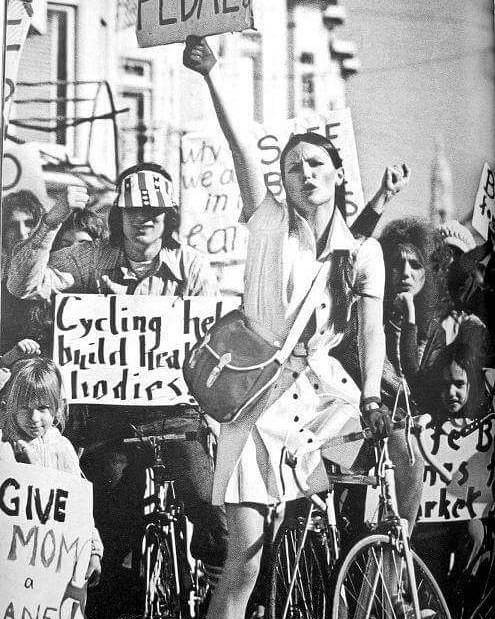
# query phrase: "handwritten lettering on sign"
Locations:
[[47, 524], [484, 205], [160, 22], [19, 16], [132, 349], [210, 200], [22, 170], [470, 460]]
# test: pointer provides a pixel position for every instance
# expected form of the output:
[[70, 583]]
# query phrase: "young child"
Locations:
[[457, 378], [32, 418], [457, 393]]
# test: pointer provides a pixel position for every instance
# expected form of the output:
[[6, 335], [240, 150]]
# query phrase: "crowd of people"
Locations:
[[416, 303]]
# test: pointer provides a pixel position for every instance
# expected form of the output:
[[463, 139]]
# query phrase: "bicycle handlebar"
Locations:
[[162, 438], [366, 434]]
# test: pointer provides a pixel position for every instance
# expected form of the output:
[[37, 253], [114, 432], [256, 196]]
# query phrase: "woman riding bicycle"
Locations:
[[314, 397]]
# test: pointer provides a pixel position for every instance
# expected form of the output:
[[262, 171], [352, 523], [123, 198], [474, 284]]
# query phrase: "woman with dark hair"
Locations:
[[314, 398], [415, 298], [21, 213], [455, 387]]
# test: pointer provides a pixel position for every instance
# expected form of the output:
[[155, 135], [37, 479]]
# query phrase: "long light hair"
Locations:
[[32, 381]]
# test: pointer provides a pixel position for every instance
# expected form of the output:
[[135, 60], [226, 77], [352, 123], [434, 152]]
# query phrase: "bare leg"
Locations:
[[245, 525]]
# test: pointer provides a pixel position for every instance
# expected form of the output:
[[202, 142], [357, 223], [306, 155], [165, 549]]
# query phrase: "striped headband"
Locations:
[[145, 189]]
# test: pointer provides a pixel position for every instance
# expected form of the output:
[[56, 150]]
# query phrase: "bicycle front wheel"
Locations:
[[373, 583], [299, 589], [486, 607]]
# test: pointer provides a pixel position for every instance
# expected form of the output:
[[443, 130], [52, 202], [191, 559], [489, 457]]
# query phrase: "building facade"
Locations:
[[87, 89]]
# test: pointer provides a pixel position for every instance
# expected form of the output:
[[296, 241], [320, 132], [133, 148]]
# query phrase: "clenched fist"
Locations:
[[395, 178], [198, 55]]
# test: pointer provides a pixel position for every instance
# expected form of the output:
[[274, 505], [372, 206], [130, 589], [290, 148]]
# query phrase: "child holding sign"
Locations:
[[33, 408]]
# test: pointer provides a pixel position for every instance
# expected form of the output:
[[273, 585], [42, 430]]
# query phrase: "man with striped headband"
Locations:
[[141, 255]]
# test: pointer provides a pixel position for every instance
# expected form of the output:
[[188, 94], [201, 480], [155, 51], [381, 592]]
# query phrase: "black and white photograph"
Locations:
[[247, 309]]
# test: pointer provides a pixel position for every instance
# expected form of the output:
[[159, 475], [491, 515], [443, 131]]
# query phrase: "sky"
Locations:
[[427, 74]]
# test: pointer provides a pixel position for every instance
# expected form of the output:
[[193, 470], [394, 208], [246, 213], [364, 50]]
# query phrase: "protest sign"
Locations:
[[22, 170], [484, 205], [471, 462], [46, 526], [19, 15], [170, 21], [132, 348], [210, 200]]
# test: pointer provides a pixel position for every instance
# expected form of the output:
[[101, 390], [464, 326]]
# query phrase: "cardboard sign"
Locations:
[[470, 460], [46, 526], [19, 15], [484, 205], [210, 199], [160, 22], [131, 349], [22, 170]]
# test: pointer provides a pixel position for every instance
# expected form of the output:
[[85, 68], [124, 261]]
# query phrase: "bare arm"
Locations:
[[199, 57], [371, 344]]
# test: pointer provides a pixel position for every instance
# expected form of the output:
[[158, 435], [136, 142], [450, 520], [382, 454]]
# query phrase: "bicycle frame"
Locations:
[[162, 528], [389, 522]]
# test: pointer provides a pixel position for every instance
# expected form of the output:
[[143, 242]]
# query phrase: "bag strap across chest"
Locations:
[[311, 300]]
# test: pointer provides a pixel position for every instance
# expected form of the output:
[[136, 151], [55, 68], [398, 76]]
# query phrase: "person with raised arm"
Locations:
[[314, 398]]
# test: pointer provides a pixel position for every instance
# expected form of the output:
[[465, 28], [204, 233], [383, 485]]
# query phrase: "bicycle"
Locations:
[[379, 578], [176, 586]]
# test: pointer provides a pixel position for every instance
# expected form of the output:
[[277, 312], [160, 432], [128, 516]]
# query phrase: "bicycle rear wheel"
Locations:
[[303, 594], [162, 596], [363, 587]]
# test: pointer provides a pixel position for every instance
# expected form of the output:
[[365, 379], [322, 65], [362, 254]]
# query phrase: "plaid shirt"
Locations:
[[98, 267]]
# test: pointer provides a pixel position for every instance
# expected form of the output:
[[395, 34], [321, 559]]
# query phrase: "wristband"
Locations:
[[370, 404]]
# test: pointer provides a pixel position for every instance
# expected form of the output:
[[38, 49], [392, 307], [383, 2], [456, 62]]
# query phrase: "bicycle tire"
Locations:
[[361, 590], [310, 597], [162, 598], [486, 608], [479, 590]]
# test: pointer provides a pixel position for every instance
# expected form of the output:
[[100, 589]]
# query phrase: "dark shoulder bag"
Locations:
[[232, 366]]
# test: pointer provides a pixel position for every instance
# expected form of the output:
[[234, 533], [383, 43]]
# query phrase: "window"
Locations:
[[308, 100], [135, 126], [46, 70]]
